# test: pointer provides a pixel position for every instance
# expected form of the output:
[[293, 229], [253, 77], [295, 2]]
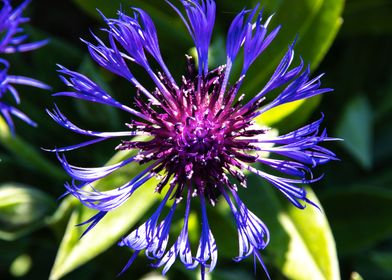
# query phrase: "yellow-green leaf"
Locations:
[[311, 250], [73, 251], [302, 245]]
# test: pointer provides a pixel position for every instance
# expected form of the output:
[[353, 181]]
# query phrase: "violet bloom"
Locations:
[[202, 133], [11, 41]]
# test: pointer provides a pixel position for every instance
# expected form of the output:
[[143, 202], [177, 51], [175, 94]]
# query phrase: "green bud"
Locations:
[[22, 209]]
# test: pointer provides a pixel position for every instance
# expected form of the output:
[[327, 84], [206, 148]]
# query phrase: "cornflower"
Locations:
[[12, 41], [202, 133]]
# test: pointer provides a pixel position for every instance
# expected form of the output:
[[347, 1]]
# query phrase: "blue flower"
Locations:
[[11, 41], [203, 136]]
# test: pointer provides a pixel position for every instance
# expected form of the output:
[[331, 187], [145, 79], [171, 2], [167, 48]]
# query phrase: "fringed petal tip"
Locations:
[[93, 221]]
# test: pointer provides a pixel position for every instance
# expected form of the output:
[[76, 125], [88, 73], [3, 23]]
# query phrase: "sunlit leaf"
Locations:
[[312, 244], [316, 24], [316, 30], [73, 251], [295, 113], [302, 245]]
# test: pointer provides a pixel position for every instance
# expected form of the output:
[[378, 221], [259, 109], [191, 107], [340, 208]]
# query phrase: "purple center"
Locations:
[[196, 132]]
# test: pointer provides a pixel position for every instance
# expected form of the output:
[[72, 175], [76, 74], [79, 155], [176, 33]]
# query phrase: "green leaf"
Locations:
[[22, 209], [302, 245], [356, 128], [316, 23], [312, 244], [316, 38], [73, 251], [364, 210], [29, 155], [289, 115]]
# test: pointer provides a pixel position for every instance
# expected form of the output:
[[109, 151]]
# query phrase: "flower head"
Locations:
[[11, 41], [203, 136]]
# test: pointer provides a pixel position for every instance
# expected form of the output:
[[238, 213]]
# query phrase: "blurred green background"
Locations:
[[351, 41]]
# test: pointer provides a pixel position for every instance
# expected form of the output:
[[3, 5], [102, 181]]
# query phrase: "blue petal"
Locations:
[[181, 247], [20, 80], [62, 120], [252, 232], [256, 43], [149, 236], [91, 174], [108, 200], [109, 58], [207, 252], [150, 38], [7, 110], [200, 24], [10, 22]]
